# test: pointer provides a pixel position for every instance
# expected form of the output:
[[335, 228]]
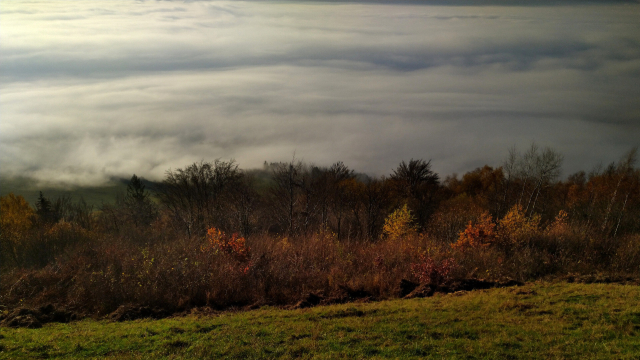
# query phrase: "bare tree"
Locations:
[[510, 169], [377, 199], [287, 179], [623, 171], [547, 167], [196, 196], [336, 179], [535, 169]]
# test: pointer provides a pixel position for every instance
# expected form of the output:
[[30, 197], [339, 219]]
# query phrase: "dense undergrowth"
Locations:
[[99, 276]]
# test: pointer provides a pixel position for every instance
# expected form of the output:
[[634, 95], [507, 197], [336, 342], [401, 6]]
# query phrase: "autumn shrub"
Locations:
[[481, 234], [176, 272], [431, 272], [399, 224], [517, 246], [233, 245], [515, 228], [559, 227]]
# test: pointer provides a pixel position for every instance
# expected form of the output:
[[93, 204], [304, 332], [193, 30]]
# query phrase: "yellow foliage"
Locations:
[[16, 217], [512, 229], [399, 224], [559, 227], [515, 226]]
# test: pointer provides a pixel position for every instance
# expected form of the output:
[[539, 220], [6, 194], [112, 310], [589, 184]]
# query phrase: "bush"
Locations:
[[399, 224], [430, 272]]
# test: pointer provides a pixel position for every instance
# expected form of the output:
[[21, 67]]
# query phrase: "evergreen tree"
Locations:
[[44, 209]]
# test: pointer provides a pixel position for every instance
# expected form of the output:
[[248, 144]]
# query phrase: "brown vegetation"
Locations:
[[297, 234]]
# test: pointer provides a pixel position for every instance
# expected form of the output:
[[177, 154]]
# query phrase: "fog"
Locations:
[[94, 90]]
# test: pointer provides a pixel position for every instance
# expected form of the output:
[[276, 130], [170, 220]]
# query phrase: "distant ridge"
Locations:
[[94, 195]]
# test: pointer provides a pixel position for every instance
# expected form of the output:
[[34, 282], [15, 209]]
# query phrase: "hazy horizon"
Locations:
[[91, 91]]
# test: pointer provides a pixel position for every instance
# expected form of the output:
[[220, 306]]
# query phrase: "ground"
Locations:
[[538, 320]]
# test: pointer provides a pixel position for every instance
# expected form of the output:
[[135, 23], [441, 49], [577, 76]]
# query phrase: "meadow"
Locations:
[[540, 320]]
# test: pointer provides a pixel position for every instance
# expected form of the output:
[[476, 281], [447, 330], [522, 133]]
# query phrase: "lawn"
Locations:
[[540, 320]]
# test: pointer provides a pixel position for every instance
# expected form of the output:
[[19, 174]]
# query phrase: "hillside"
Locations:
[[93, 195]]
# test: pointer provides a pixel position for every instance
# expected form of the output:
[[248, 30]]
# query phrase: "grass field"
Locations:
[[538, 320]]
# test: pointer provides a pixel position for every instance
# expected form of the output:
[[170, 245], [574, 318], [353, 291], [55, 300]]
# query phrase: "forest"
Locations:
[[294, 234]]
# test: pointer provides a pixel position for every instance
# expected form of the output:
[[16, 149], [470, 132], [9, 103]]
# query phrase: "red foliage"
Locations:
[[428, 271], [235, 245]]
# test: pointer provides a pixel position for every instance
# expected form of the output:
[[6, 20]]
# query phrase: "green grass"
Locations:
[[537, 321]]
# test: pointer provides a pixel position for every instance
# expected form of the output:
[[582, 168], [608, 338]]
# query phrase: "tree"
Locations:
[[399, 224], [137, 203], [243, 205], [483, 185], [44, 209], [535, 170], [16, 219], [196, 195], [332, 189], [287, 182], [547, 169], [417, 184], [136, 189], [616, 190]]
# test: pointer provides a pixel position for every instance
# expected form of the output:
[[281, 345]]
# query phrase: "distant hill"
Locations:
[[93, 195]]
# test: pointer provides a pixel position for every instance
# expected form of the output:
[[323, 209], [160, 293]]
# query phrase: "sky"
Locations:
[[92, 90]]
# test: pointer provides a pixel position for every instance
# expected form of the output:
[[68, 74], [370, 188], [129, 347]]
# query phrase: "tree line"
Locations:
[[296, 199]]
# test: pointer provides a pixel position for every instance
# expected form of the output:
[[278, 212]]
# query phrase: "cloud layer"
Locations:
[[91, 90]]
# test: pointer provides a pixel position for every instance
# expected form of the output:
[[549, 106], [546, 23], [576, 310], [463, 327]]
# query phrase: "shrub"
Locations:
[[559, 227], [235, 246], [430, 272], [515, 228], [482, 234], [399, 224]]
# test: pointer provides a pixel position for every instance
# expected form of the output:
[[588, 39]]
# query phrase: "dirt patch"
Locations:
[[310, 300], [35, 318], [343, 295], [350, 294], [129, 312], [178, 344], [426, 290], [407, 287], [343, 313]]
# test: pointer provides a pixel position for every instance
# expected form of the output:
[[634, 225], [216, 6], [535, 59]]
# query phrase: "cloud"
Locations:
[[94, 90]]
